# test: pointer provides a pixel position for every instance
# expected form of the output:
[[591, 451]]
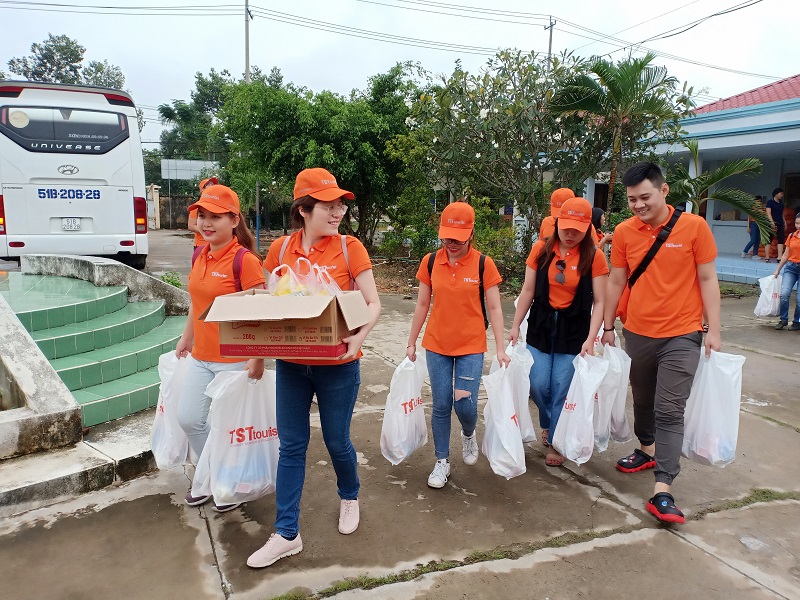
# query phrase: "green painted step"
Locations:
[[119, 360], [119, 398], [42, 302], [134, 319]]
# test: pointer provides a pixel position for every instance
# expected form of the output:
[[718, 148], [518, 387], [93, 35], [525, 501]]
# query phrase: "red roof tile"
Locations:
[[785, 89]]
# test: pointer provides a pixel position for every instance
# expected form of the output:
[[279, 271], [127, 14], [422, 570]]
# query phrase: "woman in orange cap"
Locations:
[[566, 310], [317, 212], [192, 223], [455, 338], [227, 263]]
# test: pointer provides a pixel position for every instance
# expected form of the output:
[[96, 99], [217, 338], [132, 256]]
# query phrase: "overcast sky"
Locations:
[[160, 53]]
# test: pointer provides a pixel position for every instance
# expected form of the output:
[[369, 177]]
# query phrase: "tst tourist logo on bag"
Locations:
[[408, 407], [249, 435], [569, 406]]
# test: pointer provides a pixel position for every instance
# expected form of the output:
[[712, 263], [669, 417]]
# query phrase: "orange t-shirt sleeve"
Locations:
[[599, 264], [491, 276], [533, 257], [252, 274], [271, 261], [422, 273], [357, 256], [704, 247], [618, 256]]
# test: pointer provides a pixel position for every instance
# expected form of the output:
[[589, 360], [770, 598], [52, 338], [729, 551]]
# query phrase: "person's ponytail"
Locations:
[[246, 237]]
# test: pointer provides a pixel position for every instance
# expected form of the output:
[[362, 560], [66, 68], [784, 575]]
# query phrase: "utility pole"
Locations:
[[247, 17], [258, 216], [550, 45]]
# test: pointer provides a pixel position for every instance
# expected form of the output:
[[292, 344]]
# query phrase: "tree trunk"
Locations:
[[612, 179]]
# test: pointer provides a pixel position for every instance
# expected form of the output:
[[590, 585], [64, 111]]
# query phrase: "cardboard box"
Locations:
[[255, 324]]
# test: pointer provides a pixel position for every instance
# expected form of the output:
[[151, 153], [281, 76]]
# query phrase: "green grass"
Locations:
[[756, 496], [729, 289]]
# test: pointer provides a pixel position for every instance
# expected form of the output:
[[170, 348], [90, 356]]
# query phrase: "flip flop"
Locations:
[[554, 460]]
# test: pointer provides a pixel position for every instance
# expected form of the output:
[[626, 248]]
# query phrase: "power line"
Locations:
[[673, 32]]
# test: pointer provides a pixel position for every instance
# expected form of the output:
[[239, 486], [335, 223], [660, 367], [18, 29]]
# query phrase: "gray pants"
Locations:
[[662, 372]]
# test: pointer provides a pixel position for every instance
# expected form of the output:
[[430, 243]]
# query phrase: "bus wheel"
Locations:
[[137, 261]]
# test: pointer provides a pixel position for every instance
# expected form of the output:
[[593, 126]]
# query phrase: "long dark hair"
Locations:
[[586, 247], [245, 236]]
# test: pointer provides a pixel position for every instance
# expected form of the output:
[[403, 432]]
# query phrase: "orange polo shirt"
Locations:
[[327, 253], [665, 301], [455, 326], [199, 240], [561, 295], [793, 245], [212, 276]]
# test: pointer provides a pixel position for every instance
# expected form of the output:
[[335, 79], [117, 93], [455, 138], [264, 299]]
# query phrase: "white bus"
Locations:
[[71, 172]]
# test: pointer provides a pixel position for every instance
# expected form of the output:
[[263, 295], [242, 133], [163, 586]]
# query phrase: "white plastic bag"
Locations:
[[598, 345], [239, 462], [620, 427], [769, 302], [523, 327], [404, 429], [520, 368], [283, 281], [167, 439], [712, 411], [502, 442], [574, 434]]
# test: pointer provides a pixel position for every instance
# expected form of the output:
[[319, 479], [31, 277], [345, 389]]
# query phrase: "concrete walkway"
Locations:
[[571, 532]]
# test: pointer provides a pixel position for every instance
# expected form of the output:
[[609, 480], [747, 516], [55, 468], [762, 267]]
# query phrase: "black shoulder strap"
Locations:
[[481, 265], [431, 262], [659, 241]]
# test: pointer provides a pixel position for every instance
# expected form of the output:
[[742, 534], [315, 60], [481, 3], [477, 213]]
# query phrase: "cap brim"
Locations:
[[331, 194], [572, 224], [453, 233], [210, 207]]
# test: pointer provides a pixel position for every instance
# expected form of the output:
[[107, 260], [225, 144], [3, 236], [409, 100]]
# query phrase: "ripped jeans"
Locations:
[[443, 371]]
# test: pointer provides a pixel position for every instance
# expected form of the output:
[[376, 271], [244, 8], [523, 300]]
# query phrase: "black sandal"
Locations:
[[636, 461], [662, 507]]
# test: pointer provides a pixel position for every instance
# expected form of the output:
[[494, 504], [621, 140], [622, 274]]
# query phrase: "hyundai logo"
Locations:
[[68, 169]]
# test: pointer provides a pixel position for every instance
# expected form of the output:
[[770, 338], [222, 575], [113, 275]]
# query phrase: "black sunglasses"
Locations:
[[560, 265]]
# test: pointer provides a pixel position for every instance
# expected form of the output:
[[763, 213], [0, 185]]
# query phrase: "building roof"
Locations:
[[785, 89]]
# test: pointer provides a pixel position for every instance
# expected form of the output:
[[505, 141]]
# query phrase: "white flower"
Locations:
[[477, 155], [435, 139], [408, 103], [495, 144], [463, 120], [483, 113]]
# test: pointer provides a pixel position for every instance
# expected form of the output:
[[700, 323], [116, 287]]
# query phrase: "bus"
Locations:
[[71, 173]]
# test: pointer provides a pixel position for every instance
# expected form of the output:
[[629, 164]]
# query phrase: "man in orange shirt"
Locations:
[[192, 223], [663, 330]]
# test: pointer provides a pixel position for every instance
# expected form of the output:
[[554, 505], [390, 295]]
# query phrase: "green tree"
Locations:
[[632, 102], [103, 74], [56, 60], [188, 138], [707, 186]]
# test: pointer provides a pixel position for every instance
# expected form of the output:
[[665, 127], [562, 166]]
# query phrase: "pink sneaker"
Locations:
[[348, 516], [276, 548]]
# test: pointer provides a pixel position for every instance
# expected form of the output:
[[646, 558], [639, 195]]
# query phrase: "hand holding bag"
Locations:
[[519, 371], [502, 441], [769, 302], [167, 439], [404, 429]]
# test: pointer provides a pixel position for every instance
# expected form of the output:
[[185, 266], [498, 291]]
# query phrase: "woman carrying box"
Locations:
[[227, 263], [317, 211]]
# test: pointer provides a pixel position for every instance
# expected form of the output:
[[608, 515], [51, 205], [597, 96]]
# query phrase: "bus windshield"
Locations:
[[63, 130]]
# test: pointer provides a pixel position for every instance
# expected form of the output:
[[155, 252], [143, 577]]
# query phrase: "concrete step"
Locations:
[[133, 320], [110, 453], [118, 398], [102, 365]]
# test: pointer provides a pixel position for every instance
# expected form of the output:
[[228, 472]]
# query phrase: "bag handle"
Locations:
[[651, 253]]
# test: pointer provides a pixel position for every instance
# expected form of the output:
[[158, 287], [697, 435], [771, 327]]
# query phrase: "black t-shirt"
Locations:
[[776, 208]]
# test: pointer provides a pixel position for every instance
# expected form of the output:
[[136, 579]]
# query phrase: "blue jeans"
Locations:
[[550, 377], [194, 404], [791, 274], [443, 371], [755, 240], [336, 387]]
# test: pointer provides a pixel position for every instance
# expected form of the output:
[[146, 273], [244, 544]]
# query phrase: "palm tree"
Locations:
[[704, 187], [629, 100]]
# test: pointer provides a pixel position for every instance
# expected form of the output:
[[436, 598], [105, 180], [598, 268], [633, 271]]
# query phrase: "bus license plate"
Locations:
[[71, 224]]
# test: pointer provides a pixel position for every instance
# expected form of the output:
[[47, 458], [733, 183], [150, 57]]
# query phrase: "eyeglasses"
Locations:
[[340, 208], [449, 241], [560, 265]]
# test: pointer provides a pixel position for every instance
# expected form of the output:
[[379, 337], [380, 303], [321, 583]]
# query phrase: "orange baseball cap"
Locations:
[[210, 181], [557, 199], [547, 228], [319, 184], [457, 222], [576, 213], [218, 199]]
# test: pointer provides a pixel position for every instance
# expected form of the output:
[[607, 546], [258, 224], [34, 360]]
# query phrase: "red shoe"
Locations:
[[636, 461], [662, 507]]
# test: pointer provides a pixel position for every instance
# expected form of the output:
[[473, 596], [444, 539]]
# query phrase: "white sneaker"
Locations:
[[440, 473], [469, 448], [348, 516], [276, 548]]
